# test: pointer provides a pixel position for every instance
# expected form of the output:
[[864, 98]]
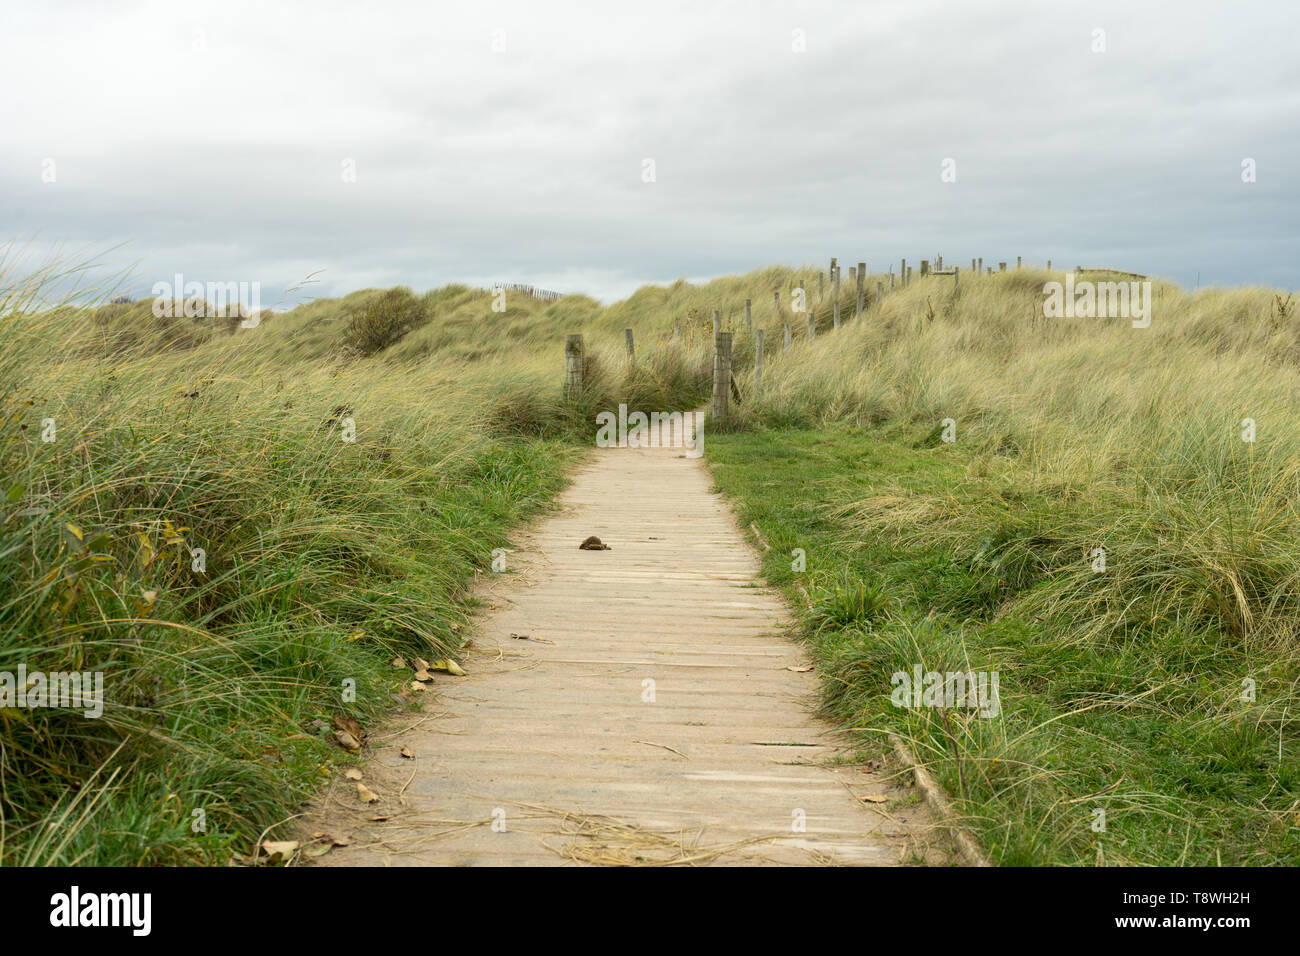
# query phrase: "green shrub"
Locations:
[[379, 322]]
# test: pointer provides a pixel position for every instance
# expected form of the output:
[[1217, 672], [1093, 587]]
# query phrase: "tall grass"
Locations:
[[342, 505]]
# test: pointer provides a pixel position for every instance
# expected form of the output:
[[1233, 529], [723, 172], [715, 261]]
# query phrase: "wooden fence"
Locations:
[[724, 387]]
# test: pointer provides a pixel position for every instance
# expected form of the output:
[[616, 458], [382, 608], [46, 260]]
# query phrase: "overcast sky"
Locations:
[[509, 141]]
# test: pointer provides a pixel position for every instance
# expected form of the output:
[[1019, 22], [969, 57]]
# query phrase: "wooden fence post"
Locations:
[[716, 327], [786, 347], [631, 349], [902, 271], [938, 262], [1049, 265], [1017, 262], [862, 277], [880, 292], [721, 375], [749, 321], [980, 270], [925, 266], [573, 366], [836, 294], [956, 277], [758, 362], [909, 276], [1002, 267]]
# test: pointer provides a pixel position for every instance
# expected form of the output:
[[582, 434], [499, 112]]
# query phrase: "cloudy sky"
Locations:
[[599, 146]]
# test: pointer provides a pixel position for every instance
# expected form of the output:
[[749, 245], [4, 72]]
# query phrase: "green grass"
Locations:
[[326, 558], [344, 504], [1117, 692]]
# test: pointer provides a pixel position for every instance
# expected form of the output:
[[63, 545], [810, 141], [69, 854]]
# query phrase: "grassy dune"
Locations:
[[326, 558], [1162, 689]]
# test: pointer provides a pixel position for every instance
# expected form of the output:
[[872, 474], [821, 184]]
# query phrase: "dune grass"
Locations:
[[240, 529], [1113, 530], [344, 503]]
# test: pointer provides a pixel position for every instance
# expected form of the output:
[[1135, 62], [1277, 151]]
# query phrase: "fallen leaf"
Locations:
[[800, 669], [398, 662], [417, 686], [366, 794], [352, 773], [420, 664], [874, 798], [278, 851], [346, 740], [350, 725], [448, 666], [406, 752], [423, 675], [378, 818]]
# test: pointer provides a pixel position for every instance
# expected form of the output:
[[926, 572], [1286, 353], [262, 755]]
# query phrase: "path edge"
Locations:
[[968, 847]]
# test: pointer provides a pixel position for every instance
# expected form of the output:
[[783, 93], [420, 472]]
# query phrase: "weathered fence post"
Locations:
[[749, 321], [956, 277], [938, 261], [758, 362], [786, 347], [1017, 262], [1049, 265], [972, 265], [1002, 267], [980, 270], [862, 277], [631, 349], [902, 271], [573, 366], [925, 267], [880, 292], [721, 375], [716, 327], [836, 293], [909, 276]]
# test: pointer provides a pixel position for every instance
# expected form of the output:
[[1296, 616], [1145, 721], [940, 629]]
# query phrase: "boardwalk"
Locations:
[[650, 715]]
